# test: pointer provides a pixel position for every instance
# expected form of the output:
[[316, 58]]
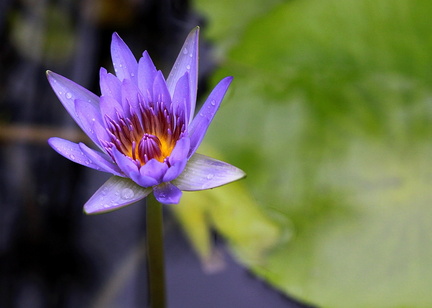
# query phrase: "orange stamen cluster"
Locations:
[[152, 132]]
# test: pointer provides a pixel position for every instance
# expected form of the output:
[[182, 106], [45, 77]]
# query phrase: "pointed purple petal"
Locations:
[[131, 97], [68, 91], [180, 150], [89, 116], [187, 61], [103, 161], [154, 169], [202, 120], [174, 171], [203, 172], [132, 171], [177, 159], [117, 192], [181, 96], [73, 152], [146, 75], [110, 85], [110, 107], [167, 193], [160, 90], [124, 162], [125, 64]]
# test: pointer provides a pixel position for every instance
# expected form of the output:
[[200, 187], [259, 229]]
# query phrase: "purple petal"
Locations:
[[90, 117], [174, 171], [117, 192], [160, 90], [125, 163], [131, 97], [73, 152], [110, 107], [203, 172], [68, 91], [103, 161], [110, 85], [143, 181], [201, 122], [177, 159], [181, 96], [180, 150], [125, 64], [154, 169], [187, 61], [146, 75], [167, 193]]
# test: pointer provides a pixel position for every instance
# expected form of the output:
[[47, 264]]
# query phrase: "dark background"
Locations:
[[51, 254]]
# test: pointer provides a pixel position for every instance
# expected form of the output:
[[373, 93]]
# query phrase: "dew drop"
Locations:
[[185, 51], [190, 55], [210, 176], [188, 67], [68, 95], [127, 193], [72, 156], [60, 93], [132, 75], [213, 102]]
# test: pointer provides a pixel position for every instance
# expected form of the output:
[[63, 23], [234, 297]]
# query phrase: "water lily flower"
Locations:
[[144, 128]]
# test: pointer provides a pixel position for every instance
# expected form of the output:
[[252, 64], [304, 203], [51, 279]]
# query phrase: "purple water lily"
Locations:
[[145, 129]]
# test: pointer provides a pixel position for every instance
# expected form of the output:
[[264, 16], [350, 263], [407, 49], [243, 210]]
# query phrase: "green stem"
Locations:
[[155, 253]]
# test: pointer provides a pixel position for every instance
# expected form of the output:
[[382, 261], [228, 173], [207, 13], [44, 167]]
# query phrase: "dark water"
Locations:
[[51, 254]]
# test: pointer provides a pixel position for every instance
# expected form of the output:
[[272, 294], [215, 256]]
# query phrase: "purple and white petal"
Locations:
[[167, 193], [154, 169], [181, 97], [180, 151], [125, 163], [124, 62], [73, 152], [187, 61], [110, 107], [115, 193], [89, 116], [160, 90], [146, 75], [131, 97], [203, 172], [68, 91], [174, 171], [110, 85], [103, 161], [202, 120]]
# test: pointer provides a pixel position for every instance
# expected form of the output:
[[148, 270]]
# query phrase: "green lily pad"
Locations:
[[330, 115]]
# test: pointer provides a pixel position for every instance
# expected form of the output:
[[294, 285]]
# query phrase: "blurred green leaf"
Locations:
[[330, 115]]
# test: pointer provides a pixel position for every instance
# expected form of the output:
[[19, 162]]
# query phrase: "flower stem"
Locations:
[[155, 253]]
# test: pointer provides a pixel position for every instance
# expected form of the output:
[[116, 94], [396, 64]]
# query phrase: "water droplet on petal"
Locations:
[[127, 193], [210, 176], [213, 102], [190, 55], [68, 95], [188, 67], [72, 156], [185, 51]]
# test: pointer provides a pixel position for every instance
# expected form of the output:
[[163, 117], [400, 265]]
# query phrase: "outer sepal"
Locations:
[[203, 172], [117, 192]]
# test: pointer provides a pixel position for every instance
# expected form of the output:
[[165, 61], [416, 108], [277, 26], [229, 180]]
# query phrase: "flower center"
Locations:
[[150, 132]]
